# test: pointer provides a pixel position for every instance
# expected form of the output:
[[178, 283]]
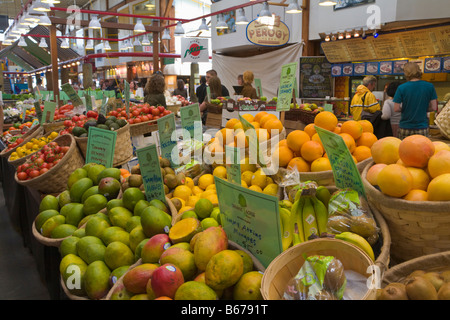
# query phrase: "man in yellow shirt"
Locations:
[[364, 102]]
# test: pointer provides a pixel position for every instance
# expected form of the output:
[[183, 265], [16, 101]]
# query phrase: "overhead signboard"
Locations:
[[194, 50], [273, 35]]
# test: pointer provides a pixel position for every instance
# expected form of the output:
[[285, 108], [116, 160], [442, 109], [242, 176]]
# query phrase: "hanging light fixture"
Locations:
[[348, 35], [241, 18], [22, 42], [94, 23], [356, 34], [327, 38], [136, 42], [221, 24], [179, 30], [31, 18], [265, 16], [327, 3], [90, 45], [139, 26], [45, 20], [41, 7], [51, 1], [166, 35], [7, 42], [293, 7], [43, 43], [65, 44], [203, 25], [106, 45], [341, 35], [145, 41]]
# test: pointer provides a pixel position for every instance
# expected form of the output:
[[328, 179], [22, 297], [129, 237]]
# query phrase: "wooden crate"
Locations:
[[214, 120], [291, 125]]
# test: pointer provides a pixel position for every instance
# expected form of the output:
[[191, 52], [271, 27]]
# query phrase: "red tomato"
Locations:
[[22, 176], [67, 123], [65, 149], [156, 112], [156, 117], [131, 121], [145, 110], [123, 113], [137, 120], [161, 109], [34, 173], [114, 113], [145, 118], [135, 113], [43, 170], [39, 161]]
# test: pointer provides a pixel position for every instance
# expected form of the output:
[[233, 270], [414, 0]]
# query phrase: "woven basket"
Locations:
[[33, 133], [436, 262], [284, 267], [123, 151], [20, 161], [443, 120], [257, 266], [53, 126], [417, 228], [55, 179], [306, 117], [68, 293], [214, 108], [142, 128]]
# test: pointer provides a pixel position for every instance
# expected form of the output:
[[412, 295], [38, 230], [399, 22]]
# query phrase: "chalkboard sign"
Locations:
[[315, 78]]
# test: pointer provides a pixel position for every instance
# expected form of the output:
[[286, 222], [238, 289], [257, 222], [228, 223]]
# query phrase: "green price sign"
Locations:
[[288, 82], [127, 96], [166, 127], [151, 173], [345, 172], [49, 111], [72, 94], [191, 120], [233, 164], [251, 219], [258, 86], [101, 145]]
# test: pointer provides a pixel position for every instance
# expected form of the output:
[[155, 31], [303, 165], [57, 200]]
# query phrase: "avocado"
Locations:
[[90, 123], [103, 126], [122, 122], [78, 131], [112, 118], [84, 135], [101, 119], [114, 126]]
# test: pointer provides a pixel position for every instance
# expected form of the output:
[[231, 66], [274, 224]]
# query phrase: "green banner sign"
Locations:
[[191, 120], [101, 145], [233, 164], [88, 99], [286, 91], [72, 94], [166, 127], [127, 96], [258, 86], [151, 173], [251, 219], [49, 111], [345, 172], [37, 108]]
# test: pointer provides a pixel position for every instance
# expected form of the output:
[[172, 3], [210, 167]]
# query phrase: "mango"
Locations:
[[113, 203], [159, 204], [119, 216], [69, 259], [94, 252], [118, 254], [140, 205], [114, 233], [201, 278], [182, 245], [141, 296], [224, 269], [247, 259], [76, 175], [138, 249], [195, 290], [248, 287], [133, 222], [120, 293], [94, 171], [68, 245], [79, 233], [155, 221], [94, 204], [109, 173], [74, 214], [136, 236], [165, 280], [62, 231], [209, 242], [79, 188], [96, 280], [135, 280], [183, 230], [181, 258], [89, 192], [117, 273], [49, 202], [51, 224], [43, 216], [95, 226], [131, 196], [154, 247], [63, 198], [109, 187], [73, 277]]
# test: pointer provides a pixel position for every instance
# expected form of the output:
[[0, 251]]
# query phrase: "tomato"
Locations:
[[19, 140], [135, 113], [137, 120], [131, 121], [22, 176], [34, 174], [145, 118], [45, 165], [155, 112], [65, 149], [114, 113], [145, 110], [43, 170], [166, 112], [123, 113], [161, 109], [67, 123], [92, 114], [39, 162], [156, 117]]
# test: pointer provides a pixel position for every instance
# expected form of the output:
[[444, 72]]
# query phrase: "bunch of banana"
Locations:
[[358, 241]]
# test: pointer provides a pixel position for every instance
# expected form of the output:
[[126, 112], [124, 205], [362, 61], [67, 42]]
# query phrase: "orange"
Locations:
[[372, 173], [353, 128], [230, 123], [362, 153], [321, 164], [284, 156], [337, 130], [248, 117], [274, 126], [367, 139], [262, 134], [266, 118], [439, 188], [317, 139], [259, 115], [237, 126], [395, 180], [416, 150], [299, 164], [215, 147], [416, 195], [311, 151], [296, 139], [240, 140], [421, 179], [439, 163], [366, 125], [282, 143], [326, 120], [255, 124], [439, 145], [349, 141], [124, 173], [310, 129], [225, 136], [385, 150]]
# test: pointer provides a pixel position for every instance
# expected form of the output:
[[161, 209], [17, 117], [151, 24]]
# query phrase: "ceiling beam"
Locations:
[[106, 24]]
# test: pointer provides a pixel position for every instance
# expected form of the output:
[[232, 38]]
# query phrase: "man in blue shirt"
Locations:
[[414, 99]]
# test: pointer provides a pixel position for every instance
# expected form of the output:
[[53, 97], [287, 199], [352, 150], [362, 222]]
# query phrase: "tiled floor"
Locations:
[[19, 278]]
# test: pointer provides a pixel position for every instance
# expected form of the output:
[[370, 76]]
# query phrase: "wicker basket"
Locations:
[[433, 262], [55, 179], [284, 267], [142, 128], [53, 126], [443, 120], [36, 131], [306, 117], [214, 108], [68, 293], [123, 151], [16, 163], [417, 228]]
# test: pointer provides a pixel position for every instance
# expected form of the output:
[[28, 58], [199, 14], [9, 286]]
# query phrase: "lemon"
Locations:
[[271, 189], [203, 208], [192, 201], [220, 171], [196, 190], [259, 179], [269, 180], [247, 166], [247, 177], [205, 180], [255, 188], [213, 198], [205, 194], [183, 192], [211, 187], [189, 182], [244, 184]]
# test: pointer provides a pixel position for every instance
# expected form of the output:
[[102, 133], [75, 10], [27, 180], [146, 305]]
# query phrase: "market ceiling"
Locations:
[[12, 8]]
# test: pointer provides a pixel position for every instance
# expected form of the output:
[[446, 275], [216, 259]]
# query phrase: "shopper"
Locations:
[[248, 91], [213, 73], [240, 80], [154, 91], [39, 87], [181, 89], [200, 92], [215, 87], [364, 102], [414, 99], [388, 112]]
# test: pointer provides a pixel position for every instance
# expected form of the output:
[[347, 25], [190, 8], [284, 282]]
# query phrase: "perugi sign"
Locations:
[[276, 34]]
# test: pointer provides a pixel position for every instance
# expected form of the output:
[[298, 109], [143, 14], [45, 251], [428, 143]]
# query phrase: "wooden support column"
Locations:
[[54, 59], [308, 47], [155, 47], [87, 75], [30, 83], [193, 79], [49, 78], [65, 75]]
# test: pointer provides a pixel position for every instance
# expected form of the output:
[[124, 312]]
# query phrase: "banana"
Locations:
[[287, 231], [309, 219], [358, 241], [321, 214], [323, 194], [296, 221]]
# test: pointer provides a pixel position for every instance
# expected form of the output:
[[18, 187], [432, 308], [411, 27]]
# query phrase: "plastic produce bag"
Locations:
[[348, 212], [320, 278]]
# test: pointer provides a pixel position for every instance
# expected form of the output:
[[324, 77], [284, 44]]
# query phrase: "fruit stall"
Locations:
[[132, 223]]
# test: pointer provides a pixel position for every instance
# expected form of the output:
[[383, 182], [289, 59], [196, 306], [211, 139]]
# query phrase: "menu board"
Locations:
[[446, 64], [315, 77], [433, 65], [386, 67], [415, 43]]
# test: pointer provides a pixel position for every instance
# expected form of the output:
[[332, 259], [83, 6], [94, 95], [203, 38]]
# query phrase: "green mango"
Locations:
[[96, 280]]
